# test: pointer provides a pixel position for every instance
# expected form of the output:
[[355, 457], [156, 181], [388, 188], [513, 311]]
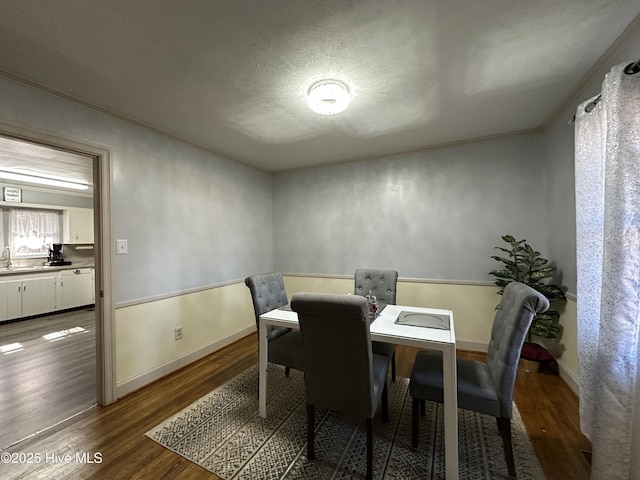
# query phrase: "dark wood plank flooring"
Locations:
[[116, 432], [50, 376]]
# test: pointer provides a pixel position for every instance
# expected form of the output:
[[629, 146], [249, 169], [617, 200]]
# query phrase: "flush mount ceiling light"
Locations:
[[328, 97], [20, 177]]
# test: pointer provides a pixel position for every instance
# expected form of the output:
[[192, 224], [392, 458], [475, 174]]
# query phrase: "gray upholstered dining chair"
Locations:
[[382, 284], [485, 387], [341, 372], [285, 345]]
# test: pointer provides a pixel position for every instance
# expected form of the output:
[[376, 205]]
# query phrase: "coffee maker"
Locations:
[[55, 256]]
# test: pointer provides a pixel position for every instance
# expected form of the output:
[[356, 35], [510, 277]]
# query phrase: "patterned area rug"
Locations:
[[223, 433]]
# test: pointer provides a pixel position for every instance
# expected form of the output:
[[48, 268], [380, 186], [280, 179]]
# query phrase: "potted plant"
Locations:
[[524, 264]]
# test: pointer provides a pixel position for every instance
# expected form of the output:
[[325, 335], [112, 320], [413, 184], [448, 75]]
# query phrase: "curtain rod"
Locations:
[[631, 69]]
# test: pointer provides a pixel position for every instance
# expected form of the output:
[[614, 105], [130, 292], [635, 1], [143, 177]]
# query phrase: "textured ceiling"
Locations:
[[231, 76]]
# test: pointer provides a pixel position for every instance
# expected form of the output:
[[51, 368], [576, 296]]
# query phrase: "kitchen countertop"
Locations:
[[40, 269]]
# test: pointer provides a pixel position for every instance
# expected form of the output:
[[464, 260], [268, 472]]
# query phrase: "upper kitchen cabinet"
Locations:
[[77, 226]]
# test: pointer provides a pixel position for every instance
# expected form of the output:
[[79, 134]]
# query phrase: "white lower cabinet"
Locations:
[[34, 294], [38, 296], [75, 288], [28, 295], [10, 299]]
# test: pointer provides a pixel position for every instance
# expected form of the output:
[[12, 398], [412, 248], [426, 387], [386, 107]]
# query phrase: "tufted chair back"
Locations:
[[268, 293], [381, 283], [337, 348], [519, 304]]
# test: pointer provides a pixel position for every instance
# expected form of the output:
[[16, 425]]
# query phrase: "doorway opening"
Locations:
[[43, 155]]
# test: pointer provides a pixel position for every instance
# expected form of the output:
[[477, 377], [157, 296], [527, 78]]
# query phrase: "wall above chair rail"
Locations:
[[432, 214]]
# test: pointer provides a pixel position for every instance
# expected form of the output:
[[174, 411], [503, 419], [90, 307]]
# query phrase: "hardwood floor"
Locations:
[[113, 436], [550, 412], [47, 373]]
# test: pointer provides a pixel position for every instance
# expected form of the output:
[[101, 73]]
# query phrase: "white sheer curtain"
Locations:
[[33, 231], [608, 262]]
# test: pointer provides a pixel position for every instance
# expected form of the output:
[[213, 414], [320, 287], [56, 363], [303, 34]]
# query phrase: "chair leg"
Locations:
[[415, 405], [311, 423], [504, 426], [393, 366], [369, 448], [385, 404], [423, 407], [287, 371]]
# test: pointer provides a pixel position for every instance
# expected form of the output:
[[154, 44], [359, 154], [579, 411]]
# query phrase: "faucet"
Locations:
[[8, 255]]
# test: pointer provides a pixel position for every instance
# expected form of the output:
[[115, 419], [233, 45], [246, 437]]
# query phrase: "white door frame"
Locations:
[[105, 316]]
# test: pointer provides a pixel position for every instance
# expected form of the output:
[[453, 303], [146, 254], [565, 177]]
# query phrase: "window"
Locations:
[[31, 232]]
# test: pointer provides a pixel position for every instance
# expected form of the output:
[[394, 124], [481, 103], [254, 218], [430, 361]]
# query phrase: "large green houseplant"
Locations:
[[524, 264]]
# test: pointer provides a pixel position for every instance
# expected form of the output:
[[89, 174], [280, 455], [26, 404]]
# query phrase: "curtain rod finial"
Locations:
[[632, 68]]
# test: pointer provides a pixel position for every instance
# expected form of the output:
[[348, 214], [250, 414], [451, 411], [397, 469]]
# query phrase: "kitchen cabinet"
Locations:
[[10, 299], [75, 288], [77, 226], [28, 295], [38, 295]]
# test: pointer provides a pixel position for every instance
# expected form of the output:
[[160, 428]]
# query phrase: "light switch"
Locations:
[[121, 247]]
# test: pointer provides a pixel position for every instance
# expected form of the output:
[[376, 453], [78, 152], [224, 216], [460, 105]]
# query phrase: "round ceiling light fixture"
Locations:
[[328, 97]]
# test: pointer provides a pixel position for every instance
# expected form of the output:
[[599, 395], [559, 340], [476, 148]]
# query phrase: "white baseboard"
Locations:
[[471, 345], [143, 379], [160, 371], [569, 378]]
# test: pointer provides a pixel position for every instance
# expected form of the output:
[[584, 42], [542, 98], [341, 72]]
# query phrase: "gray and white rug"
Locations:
[[223, 433]]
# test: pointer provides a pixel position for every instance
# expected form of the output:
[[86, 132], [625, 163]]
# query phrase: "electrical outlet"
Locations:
[[177, 333]]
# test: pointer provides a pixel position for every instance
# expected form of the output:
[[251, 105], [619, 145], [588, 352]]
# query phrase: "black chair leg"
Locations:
[[385, 404], [393, 366], [311, 425], [287, 371], [504, 426], [369, 448], [423, 407], [415, 405]]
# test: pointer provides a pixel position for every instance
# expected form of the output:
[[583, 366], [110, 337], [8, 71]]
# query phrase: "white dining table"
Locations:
[[385, 329]]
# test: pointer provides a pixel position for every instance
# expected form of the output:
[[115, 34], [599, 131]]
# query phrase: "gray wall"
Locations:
[[435, 214], [191, 218], [559, 162]]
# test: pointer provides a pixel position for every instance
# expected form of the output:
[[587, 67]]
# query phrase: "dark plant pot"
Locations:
[[537, 353]]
